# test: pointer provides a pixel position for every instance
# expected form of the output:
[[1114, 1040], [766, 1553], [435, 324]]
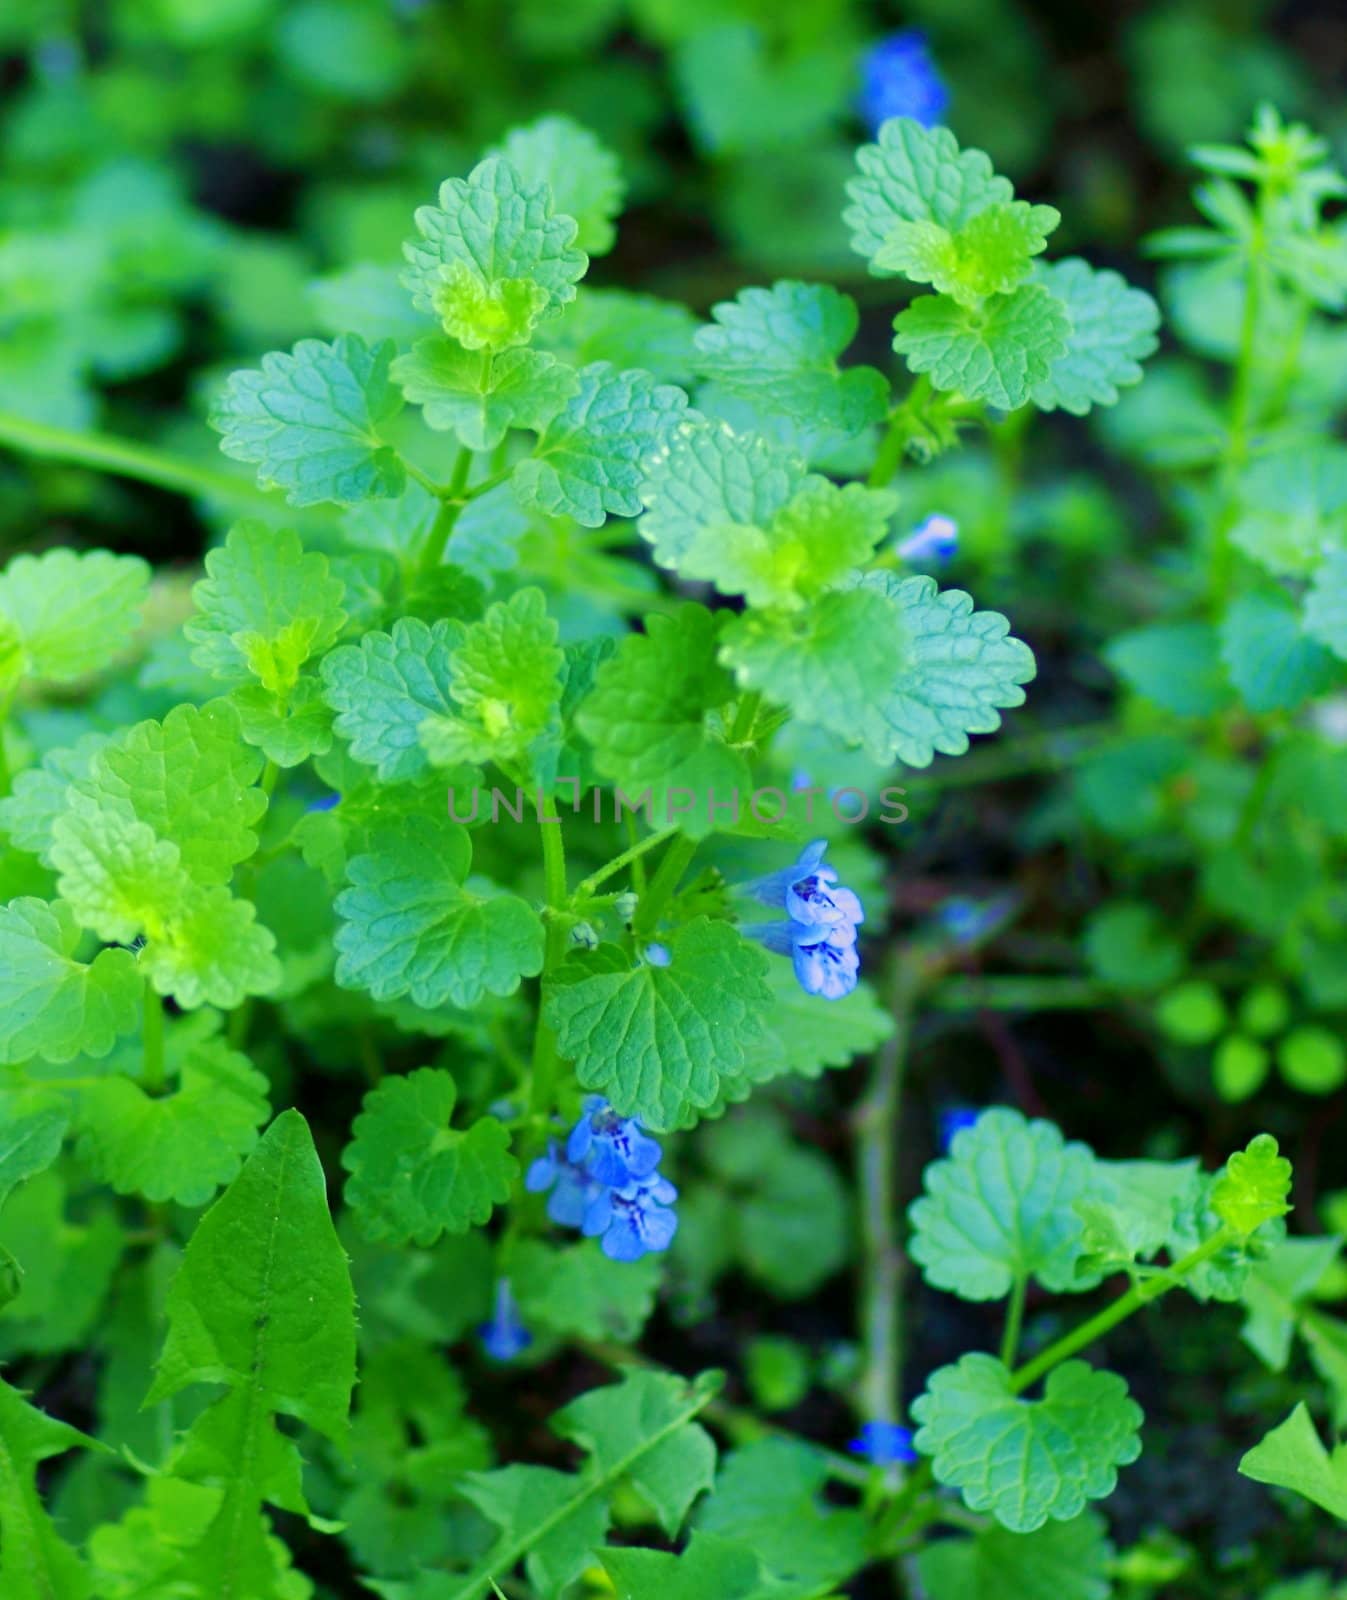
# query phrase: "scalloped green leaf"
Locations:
[[70, 612], [385, 687], [1113, 330], [997, 351]]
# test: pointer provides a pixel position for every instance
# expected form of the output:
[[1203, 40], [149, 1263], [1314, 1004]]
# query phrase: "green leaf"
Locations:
[[35, 1562], [413, 1176], [658, 1041], [491, 258], [894, 664], [577, 1292], [505, 682], [593, 455], [266, 607], [1128, 946], [385, 687], [582, 175], [410, 926], [51, 1004], [1276, 1293], [116, 875], [989, 254], [807, 1034], [710, 477], [70, 613], [263, 1299], [778, 349], [1293, 507], [639, 1431], [1254, 1188], [1059, 1561], [33, 1123], [997, 352], [1027, 1461], [311, 422], [819, 537], [210, 951], [769, 1498], [191, 779], [1293, 1457], [38, 794], [1271, 662], [184, 1144], [998, 1208], [709, 1566], [1175, 665], [1326, 605], [481, 400], [654, 719], [287, 728], [1113, 330], [917, 174]]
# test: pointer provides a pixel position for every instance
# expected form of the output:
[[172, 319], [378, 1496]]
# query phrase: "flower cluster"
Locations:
[[606, 1182], [819, 933], [899, 78]]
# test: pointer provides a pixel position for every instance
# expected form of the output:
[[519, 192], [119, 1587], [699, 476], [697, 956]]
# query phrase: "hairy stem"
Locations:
[[451, 503], [668, 874], [104, 452], [1010, 1337], [634, 852], [876, 1127]]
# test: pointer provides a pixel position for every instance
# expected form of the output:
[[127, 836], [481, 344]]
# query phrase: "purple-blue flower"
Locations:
[[819, 931], [658, 955], [899, 78], [505, 1336], [612, 1148], [952, 1120], [325, 802], [887, 1444], [633, 1220], [934, 540], [573, 1187]]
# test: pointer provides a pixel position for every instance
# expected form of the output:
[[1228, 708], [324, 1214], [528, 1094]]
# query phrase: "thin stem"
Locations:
[[152, 1041], [104, 452], [876, 1128], [666, 879], [542, 1086], [745, 715], [1010, 1338], [451, 503], [587, 886], [1015, 992]]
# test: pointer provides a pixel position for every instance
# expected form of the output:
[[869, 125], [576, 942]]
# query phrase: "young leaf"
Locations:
[[266, 607], [71, 613], [1254, 1188], [480, 400], [412, 1175], [997, 351], [385, 687], [653, 720], [778, 349], [1113, 330], [51, 1004], [505, 681], [182, 1145], [1293, 1457], [917, 174], [1059, 1561], [988, 254], [211, 950], [410, 926], [583, 175], [311, 422], [1025, 1461], [657, 1041], [999, 1208], [593, 454], [492, 259], [35, 1562]]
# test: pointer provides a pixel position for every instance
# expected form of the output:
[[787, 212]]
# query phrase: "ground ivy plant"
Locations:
[[500, 784]]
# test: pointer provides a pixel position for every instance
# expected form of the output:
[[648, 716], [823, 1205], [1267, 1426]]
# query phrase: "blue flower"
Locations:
[[819, 930], [965, 921], [885, 1443], [326, 802], [612, 1148], [633, 1220], [935, 540], [899, 78], [573, 1187], [952, 1120], [505, 1336], [658, 955]]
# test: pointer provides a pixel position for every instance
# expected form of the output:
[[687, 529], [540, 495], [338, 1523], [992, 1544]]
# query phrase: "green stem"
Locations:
[[1010, 1338], [586, 887], [542, 1086], [666, 879], [876, 1128], [1020, 993], [745, 715], [451, 503], [152, 1042], [893, 445], [105, 452]]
